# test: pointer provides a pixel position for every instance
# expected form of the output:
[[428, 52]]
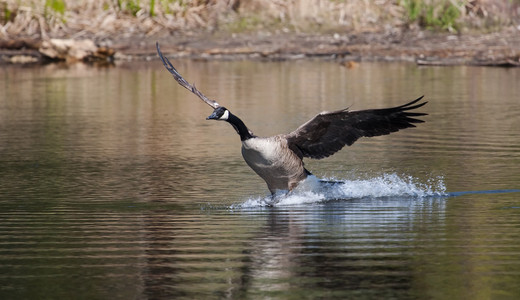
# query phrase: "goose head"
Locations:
[[220, 114]]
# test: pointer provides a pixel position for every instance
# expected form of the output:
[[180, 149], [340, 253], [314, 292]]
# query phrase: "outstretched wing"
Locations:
[[183, 81], [328, 132]]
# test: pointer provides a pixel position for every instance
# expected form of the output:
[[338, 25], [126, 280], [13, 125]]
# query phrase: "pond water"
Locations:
[[114, 186]]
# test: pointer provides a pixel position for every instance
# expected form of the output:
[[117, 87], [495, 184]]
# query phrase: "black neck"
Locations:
[[240, 127]]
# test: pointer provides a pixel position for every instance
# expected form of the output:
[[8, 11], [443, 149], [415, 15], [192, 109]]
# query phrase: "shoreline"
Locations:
[[422, 47]]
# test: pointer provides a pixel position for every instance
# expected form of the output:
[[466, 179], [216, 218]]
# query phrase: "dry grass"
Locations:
[[127, 18], [312, 15]]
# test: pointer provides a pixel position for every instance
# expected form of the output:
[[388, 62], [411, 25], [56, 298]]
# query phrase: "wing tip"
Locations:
[[410, 105]]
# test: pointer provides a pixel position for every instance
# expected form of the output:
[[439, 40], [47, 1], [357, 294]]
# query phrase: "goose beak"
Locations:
[[213, 116]]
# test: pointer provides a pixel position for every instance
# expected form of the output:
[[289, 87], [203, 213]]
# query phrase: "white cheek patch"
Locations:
[[225, 116]]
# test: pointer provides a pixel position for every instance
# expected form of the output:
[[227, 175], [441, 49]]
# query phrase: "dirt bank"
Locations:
[[424, 47]]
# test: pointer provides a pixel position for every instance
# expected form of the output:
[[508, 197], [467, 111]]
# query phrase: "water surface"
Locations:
[[114, 186]]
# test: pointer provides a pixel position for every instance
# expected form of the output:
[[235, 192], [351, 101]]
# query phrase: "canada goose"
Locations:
[[278, 159]]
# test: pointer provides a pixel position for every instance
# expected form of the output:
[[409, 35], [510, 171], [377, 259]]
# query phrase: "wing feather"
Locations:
[[328, 132], [180, 80]]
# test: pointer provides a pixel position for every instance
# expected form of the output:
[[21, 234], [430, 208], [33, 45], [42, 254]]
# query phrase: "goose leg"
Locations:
[[277, 197]]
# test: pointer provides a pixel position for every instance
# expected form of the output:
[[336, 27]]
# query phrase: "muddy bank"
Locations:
[[423, 47]]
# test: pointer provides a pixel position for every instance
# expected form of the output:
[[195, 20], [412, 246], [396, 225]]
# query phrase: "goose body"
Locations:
[[270, 157], [272, 160], [278, 160]]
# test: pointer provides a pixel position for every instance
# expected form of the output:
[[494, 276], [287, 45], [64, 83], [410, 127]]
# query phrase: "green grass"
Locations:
[[433, 14], [58, 6], [7, 15], [130, 6]]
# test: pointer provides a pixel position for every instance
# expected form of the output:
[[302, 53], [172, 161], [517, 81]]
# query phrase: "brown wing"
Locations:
[[328, 132]]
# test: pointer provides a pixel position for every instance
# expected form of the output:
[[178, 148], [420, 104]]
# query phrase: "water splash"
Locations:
[[313, 190]]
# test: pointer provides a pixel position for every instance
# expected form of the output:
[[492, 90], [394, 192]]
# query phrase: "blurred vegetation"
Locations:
[[57, 6], [62, 18], [434, 14]]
